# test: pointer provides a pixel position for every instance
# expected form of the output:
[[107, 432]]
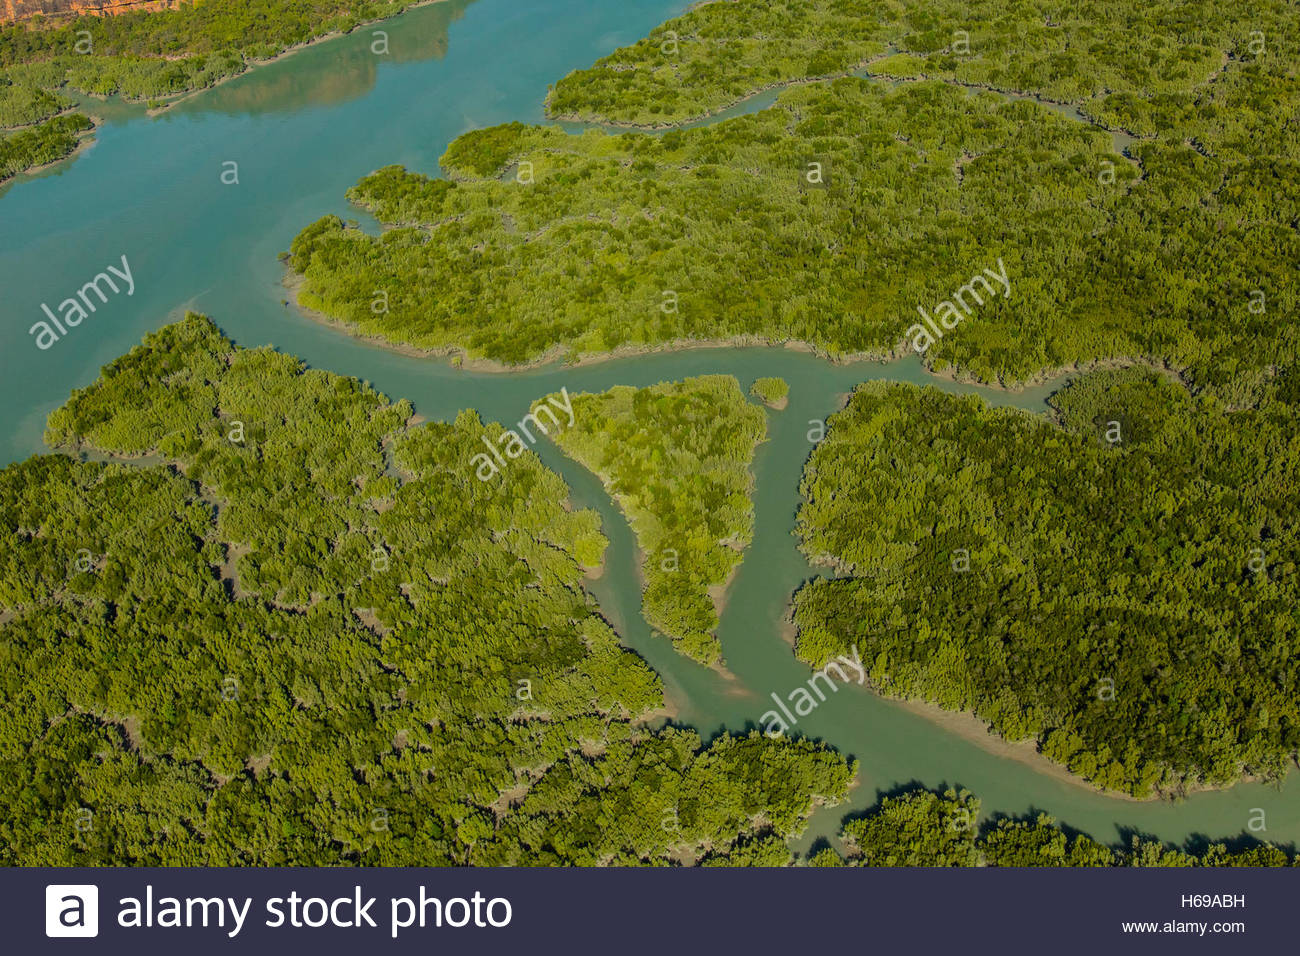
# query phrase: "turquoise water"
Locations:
[[306, 128]]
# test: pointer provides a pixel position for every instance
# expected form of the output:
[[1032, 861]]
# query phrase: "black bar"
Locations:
[[663, 912]]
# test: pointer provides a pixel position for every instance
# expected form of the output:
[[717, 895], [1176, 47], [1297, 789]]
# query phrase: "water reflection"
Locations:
[[341, 70], [323, 74]]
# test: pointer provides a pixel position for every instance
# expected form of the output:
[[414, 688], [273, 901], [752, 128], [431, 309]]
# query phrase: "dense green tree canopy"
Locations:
[[41, 144], [676, 456], [1180, 251], [284, 622], [773, 392], [300, 630], [718, 53], [595, 242], [1120, 587], [1107, 55]]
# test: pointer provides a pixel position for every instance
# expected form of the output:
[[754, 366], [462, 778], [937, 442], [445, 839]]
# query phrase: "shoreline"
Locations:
[[974, 729], [710, 114], [639, 556], [560, 355], [970, 727], [965, 725], [85, 140], [251, 64], [720, 594], [862, 71], [556, 355], [1047, 376]]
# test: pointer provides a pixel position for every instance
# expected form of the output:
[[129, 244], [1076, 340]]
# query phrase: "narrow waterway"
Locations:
[[306, 128]]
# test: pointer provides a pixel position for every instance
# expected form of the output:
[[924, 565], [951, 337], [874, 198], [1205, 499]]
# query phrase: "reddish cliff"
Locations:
[[21, 9]]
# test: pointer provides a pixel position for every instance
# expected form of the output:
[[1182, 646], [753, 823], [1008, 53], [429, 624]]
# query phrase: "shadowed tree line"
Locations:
[[921, 828]]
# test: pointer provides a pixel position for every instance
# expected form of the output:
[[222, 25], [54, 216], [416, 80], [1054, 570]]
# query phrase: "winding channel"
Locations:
[[307, 127]]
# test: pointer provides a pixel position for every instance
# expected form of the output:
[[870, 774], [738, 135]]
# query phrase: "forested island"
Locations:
[[676, 457], [772, 392], [302, 632], [144, 55], [1119, 586]]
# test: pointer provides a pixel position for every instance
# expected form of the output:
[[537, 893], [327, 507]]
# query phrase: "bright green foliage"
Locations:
[[279, 428], [1085, 52], [139, 78], [676, 457], [1040, 843], [329, 642], [83, 795], [635, 240], [718, 53], [41, 144], [1263, 855], [1121, 589], [917, 829], [478, 154], [900, 66], [771, 391], [763, 851], [663, 797], [1099, 52], [163, 46], [920, 828], [21, 104], [1181, 252], [825, 857], [405, 198]]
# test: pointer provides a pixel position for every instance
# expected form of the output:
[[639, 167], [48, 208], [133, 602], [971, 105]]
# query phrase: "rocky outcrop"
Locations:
[[22, 9]]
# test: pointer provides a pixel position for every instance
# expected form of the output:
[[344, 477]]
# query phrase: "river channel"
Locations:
[[305, 128]]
